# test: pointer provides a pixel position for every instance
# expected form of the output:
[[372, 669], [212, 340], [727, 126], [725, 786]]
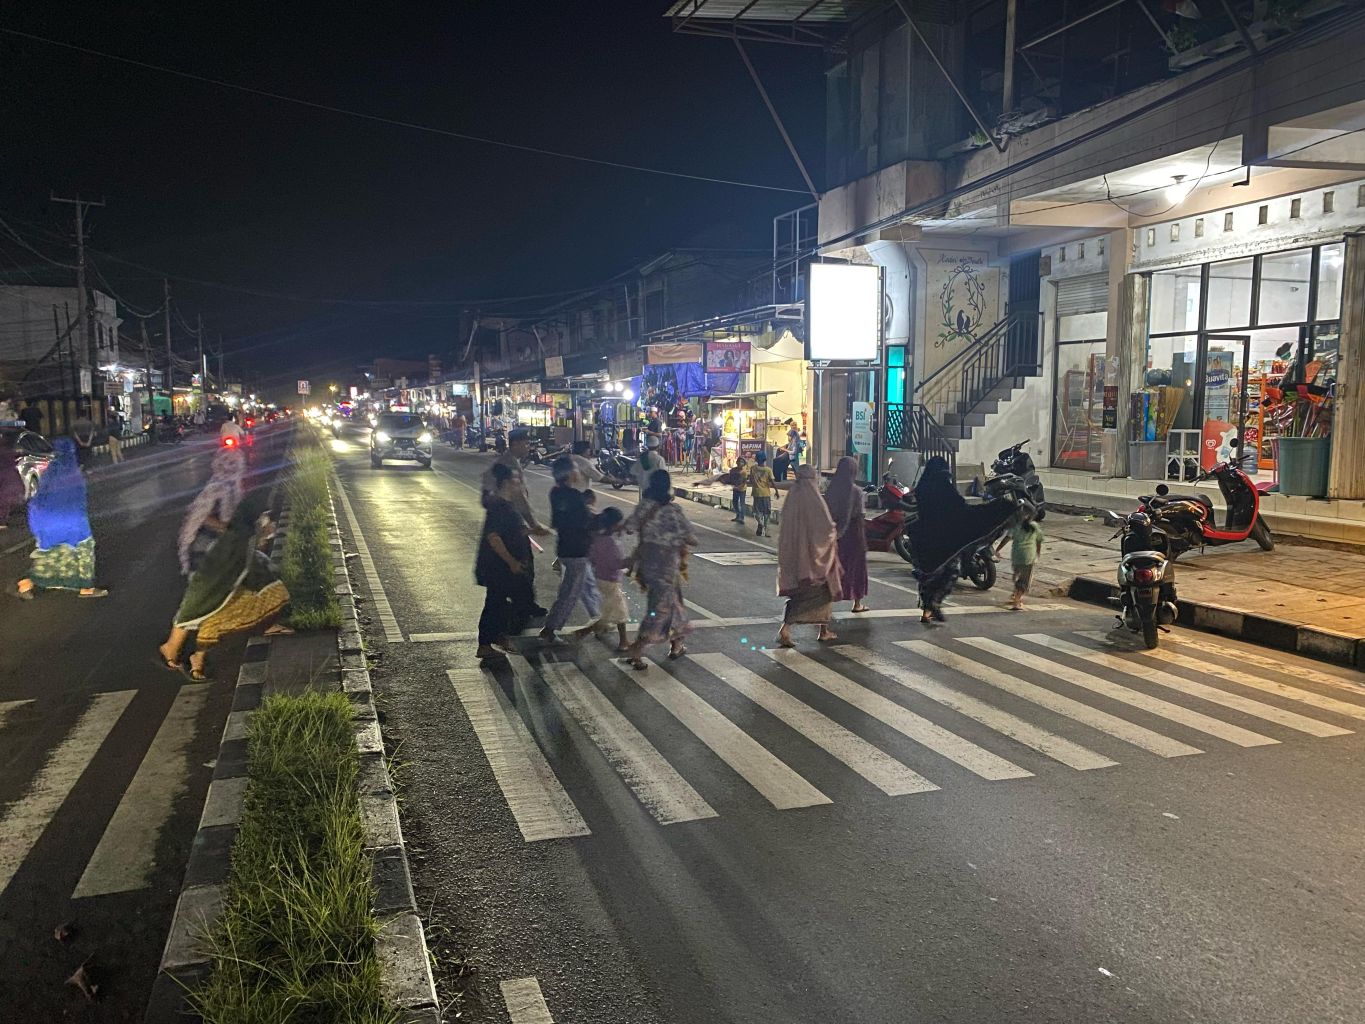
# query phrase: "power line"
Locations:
[[412, 125], [18, 239]]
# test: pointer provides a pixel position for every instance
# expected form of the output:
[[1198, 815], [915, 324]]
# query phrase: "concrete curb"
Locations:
[[405, 965], [1309, 641]]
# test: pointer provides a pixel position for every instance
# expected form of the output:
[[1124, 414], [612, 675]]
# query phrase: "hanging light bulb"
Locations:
[[1178, 192]]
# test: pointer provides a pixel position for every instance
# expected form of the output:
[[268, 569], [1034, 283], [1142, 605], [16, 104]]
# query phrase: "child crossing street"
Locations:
[[761, 490], [1026, 544], [604, 554]]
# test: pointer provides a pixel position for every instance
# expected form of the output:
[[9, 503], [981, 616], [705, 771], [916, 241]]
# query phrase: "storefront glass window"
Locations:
[[1229, 297], [1077, 414], [895, 374], [1329, 282], [1286, 278], [1175, 301]]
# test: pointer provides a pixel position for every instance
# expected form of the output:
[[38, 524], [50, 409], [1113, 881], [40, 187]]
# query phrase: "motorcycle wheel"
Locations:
[[980, 569], [902, 547], [617, 485], [1260, 533], [1149, 632]]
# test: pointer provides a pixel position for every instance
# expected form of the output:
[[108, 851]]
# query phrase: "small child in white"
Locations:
[[607, 562]]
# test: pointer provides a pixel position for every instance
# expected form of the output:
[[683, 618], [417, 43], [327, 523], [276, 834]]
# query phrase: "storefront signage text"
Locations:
[[862, 428], [728, 356]]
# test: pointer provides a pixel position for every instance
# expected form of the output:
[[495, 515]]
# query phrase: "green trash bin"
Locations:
[[1304, 463]]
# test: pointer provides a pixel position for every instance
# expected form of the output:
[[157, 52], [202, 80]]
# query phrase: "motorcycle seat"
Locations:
[[1202, 499]]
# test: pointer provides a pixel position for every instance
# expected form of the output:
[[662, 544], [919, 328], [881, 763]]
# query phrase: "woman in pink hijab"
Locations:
[[808, 574]]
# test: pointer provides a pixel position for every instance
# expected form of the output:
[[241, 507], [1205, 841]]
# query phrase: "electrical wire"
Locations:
[[412, 125], [124, 303], [45, 258]]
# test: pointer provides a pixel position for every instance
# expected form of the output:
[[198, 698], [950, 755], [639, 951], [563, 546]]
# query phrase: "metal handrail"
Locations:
[[919, 432], [997, 355]]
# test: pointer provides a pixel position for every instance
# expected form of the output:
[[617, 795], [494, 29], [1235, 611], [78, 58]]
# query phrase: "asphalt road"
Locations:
[[1013, 817], [105, 756]]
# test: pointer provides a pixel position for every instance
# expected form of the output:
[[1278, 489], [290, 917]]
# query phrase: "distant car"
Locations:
[[400, 435], [35, 453]]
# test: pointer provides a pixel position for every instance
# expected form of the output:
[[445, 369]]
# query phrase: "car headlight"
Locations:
[[424, 437], [381, 437]]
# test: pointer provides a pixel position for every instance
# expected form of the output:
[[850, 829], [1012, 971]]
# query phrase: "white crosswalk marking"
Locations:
[[664, 793], [1299, 694], [924, 732], [1285, 663], [1100, 721], [782, 787], [876, 766], [1148, 671], [6, 707], [538, 802], [1133, 698], [126, 853], [525, 1003], [1047, 743], [25, 820]]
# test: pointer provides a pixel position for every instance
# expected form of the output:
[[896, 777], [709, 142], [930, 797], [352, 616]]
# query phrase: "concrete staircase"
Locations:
[[959, 426]]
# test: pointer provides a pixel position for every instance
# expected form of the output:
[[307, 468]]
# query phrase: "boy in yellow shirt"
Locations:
[[761, 490]]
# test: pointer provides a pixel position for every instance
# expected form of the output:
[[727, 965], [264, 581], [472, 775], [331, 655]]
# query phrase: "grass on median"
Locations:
[[306, 566], [295, 944]]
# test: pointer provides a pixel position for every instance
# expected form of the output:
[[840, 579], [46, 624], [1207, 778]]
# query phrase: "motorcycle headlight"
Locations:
[[381, 437], [424, 437]]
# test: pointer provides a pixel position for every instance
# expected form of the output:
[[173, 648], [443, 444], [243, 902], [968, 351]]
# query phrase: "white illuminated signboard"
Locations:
[[845, 312]]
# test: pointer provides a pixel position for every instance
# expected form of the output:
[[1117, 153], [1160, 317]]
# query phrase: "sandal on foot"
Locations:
[[92, 592], [638, 664], [675, 653], [859, 611], [279, 631]]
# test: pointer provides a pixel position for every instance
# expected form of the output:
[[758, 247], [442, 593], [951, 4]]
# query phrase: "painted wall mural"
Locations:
[[962, 303]]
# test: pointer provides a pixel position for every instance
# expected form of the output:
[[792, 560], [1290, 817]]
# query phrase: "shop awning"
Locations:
[[759, 318], [740, 396]]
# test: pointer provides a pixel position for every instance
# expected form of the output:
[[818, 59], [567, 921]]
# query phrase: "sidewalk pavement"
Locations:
[[1309, 600]]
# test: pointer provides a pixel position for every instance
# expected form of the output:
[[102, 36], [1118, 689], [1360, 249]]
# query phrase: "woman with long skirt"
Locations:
[[808, 573], [660, 567], [845, 500], [64, 558]]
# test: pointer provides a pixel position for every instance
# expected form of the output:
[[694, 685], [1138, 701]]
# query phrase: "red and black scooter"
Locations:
[[1189, 521]]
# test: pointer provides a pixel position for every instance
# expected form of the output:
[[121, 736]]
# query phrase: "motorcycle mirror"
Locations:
[[1162, 490], [1112, 518], [1236, 442]]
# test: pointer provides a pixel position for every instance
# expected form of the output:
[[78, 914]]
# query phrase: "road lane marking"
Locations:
[[1146, 669], [703, 612], [126, 854], [9, 706], [657, 784], [538, 802], [27, 817], [1100, 721], [779, 784], [1049, 744], [1133, 698], [525, 1004], [1270, 685], [876, 766], [382, 609], [976, 760]]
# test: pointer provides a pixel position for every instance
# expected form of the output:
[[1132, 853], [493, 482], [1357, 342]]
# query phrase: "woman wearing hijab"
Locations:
[[660, 566], [64, 558], [808, 573], [212, 508], [234, 590], [845, 500]]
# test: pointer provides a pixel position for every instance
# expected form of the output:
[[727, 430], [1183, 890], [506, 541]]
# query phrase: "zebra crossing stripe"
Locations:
[[1283, 664], [1144, 669], [126, 853], [26, 819], [1133, 698], [1101, 721], [780, 785], [664, 793], [1049, 744], [975, 759], [1317, 700], [538, 802], [876, 766], [525, 1003]]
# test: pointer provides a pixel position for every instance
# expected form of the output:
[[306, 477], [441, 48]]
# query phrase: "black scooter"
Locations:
[[1013, 473], [616, 466], [1146, 574]]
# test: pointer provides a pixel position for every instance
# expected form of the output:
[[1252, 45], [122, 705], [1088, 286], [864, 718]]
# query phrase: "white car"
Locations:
[[401, 436]]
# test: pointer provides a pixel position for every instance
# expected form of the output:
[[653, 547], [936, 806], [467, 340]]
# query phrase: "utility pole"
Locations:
[[147, 355], [222, 381], [170, 359], [203, 367], [87, 311]]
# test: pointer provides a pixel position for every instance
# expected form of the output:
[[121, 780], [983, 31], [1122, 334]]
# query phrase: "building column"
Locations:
[[1347, 476], [1125, 346]]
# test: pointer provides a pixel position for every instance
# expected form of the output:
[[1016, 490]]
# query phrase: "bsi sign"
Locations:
[[862, 428]]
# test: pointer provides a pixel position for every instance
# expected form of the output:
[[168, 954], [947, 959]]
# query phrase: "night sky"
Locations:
[[265, 196]]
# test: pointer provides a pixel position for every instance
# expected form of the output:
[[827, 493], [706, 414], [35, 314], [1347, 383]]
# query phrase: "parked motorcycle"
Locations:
[[1013, 474], [1189, 520], [616, 466], [1146, 574], [886, 532]]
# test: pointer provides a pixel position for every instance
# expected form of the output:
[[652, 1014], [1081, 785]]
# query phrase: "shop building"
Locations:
[[1104, 229]]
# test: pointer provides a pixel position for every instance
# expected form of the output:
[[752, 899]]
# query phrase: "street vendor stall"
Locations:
[[743, 422]]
